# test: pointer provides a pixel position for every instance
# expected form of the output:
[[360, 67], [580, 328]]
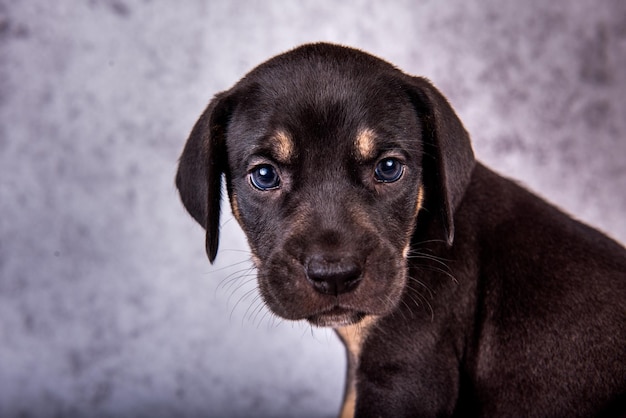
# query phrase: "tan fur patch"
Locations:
[[420, 200], [255, 260], [349, 405], [407, 249], [235, 207], [365, 143], [353, 337], [418, 206], [283, 146]]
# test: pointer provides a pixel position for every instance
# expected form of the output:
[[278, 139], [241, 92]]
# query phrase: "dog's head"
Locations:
[[328, 155]]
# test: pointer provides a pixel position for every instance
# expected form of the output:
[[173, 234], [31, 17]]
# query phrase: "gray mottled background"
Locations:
[[108, 305]]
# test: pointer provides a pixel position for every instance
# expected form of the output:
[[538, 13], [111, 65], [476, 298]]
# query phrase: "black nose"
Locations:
[[333, 276]]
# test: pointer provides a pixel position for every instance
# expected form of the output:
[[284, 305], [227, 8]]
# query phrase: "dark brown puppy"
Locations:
[[456, 292]]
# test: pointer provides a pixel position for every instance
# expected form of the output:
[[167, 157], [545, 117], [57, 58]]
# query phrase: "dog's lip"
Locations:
[[337, 316]]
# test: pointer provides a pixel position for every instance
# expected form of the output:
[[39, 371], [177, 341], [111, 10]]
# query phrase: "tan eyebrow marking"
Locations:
[[365, 142], [283, 146]]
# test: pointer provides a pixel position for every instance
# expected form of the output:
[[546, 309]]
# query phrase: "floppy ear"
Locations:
[[199, 176], [448, 156]]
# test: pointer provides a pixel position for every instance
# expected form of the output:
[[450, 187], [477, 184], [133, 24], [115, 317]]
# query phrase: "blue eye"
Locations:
[[265, 177], [388, 170]]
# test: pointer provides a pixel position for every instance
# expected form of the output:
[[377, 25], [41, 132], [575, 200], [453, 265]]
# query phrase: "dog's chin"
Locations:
[[336, 317]]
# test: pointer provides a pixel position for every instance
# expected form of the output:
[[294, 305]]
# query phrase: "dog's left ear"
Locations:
[[199, 176], [448, 156]]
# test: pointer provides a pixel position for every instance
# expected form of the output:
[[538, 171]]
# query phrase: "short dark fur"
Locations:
[[487, 300]]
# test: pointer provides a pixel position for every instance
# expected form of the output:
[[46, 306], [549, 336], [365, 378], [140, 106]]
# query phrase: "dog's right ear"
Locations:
[[199, 176]]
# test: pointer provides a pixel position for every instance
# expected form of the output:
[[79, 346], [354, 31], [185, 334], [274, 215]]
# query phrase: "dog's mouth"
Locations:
[[333, 294], [336, 317]]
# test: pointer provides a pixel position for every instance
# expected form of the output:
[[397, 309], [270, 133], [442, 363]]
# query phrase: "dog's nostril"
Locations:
[[333, 277]]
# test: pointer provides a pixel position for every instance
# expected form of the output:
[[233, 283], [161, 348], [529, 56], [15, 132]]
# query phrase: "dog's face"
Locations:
[[329, 155], [324, 178]]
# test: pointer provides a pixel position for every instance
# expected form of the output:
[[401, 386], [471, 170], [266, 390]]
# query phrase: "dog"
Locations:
[[456, 291]]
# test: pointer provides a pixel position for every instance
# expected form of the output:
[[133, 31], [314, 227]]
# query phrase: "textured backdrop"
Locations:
[[108, 305]]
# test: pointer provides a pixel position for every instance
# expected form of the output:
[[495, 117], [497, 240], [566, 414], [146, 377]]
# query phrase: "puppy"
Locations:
[[455, 291]]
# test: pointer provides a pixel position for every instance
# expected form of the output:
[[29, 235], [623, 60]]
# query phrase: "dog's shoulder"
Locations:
[[502, 214], [538, 272]]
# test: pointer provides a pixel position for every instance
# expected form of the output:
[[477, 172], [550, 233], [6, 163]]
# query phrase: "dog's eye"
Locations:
[[265, 177], [388, 170]]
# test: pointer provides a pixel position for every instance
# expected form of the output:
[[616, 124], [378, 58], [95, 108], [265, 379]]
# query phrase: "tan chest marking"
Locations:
[[353, 337]]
